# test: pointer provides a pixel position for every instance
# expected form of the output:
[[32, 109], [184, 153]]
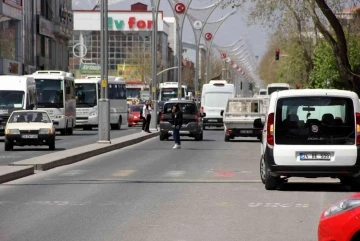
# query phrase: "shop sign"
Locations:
[[90, 68], [46, 28], [11, 67], [14, 3], [132, 23]]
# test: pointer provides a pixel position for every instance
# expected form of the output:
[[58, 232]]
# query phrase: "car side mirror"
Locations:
[[258, 123], [55, 122], [203, 115], [222, 113]]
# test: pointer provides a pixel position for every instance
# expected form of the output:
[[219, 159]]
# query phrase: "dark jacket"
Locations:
[[177, 118]]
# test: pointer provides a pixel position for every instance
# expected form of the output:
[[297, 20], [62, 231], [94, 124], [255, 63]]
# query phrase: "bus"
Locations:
[[214, 98], [55, 93], [16, 93], [271, 88], [169, 90], [88, 93]]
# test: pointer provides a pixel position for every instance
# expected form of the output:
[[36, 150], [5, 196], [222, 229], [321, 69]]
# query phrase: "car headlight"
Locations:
[[93, 113], [12, 132], [45, 131], [59, 116], [343, 206]]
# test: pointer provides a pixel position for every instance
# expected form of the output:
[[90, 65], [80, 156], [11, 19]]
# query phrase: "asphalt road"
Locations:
[[208, 190], [79, 138]]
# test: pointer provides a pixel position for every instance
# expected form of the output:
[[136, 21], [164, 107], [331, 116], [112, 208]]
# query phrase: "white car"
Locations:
[[311, 133], [29, 128]]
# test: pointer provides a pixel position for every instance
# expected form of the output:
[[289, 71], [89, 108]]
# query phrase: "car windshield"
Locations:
[[11, 99], [217, 99], [32, 116], [136, 108], [315, 121], [274, 89], [85, 95], [186, 108], [49, 93]]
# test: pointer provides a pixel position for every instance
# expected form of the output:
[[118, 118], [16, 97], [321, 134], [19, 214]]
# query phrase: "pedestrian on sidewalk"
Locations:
[[177, 118], [146, 113]]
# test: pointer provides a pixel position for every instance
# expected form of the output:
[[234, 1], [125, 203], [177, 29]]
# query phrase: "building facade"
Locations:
[[129, 46], [34, 35]]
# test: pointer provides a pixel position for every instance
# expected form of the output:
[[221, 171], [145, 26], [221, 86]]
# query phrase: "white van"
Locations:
[[16, 93], [214, 98], [311, 133], [271, 88]]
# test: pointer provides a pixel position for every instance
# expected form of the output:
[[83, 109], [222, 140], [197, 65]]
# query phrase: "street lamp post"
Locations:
[[179, 9], [155, 13], [197, 21], [104, 102]]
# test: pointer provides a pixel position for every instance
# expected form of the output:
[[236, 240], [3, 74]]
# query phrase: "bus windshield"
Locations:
[[50, 93], [85, 95], [273, 89], [11, 99], [170, 93]]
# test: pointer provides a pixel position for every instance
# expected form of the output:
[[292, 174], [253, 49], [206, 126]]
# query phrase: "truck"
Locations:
[[239, 117], [169, 90]]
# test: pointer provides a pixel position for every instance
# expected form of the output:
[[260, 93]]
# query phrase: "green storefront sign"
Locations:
[[90, 69]]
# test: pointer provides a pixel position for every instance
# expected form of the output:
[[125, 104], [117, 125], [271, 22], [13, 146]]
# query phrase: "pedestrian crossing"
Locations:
[[237, 176]]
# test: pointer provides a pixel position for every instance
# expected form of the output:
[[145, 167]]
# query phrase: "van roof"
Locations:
[[315, 92]]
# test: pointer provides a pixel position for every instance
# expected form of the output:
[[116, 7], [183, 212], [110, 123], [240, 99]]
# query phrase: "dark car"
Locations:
[[192, 120]]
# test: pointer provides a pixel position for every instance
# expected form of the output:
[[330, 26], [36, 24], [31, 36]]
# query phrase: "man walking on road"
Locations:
[[146, 113], [177, 118]]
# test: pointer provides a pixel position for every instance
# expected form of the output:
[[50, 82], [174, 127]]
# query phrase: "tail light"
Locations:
[[270, 129], [357, 129], [197, 119], [162, 116], [202, 109]]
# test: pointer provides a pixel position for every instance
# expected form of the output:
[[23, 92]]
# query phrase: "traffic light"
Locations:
[[277, 54], [250, 86], [241, 85]]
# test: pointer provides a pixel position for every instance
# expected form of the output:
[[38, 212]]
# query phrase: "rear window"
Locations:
[[274, 89], [136, 108], [186, 108], [315, 121]]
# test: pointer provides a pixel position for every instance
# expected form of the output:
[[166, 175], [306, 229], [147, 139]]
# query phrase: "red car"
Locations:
[[134, 115], [341, 222]]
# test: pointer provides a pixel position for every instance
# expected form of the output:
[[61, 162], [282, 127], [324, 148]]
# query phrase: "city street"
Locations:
[[208, 190], [79, 138]]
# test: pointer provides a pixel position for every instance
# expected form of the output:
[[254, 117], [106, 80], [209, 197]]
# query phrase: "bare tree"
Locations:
[[140, 57]]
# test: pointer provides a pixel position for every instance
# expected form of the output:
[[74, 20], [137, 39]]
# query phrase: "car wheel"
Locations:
[[52, 146], [63, 132], [70, 131], [117, 126], [227, 138], [129, 125], [198, 137], [8, 146], [271, 183], [201, 136], [262, 169], [204, 127], [162, 137]]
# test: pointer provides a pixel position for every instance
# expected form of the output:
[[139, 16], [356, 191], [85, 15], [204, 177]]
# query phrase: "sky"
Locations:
[[234, 28]]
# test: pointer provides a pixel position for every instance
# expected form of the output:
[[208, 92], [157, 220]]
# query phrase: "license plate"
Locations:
[[315, 156], [246, 131], [212, 120], [29, 136]]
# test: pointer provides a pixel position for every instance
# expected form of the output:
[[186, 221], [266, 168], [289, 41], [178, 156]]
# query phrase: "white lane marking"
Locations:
[[73, 173], [123, 173], [175, 174], [56, 203], [278, 205], [212, 171]]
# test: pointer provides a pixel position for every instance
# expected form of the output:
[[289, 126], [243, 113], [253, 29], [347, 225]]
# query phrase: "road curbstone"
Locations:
[[77, 154], [10, 173]]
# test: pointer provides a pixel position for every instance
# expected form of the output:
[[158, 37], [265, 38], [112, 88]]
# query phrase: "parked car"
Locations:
[[30, 128], [192, 120], [311, 133], [340, 222], [134, 115]]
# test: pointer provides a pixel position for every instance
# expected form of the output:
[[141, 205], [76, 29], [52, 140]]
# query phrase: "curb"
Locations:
[[10, 173], [70, 156]]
